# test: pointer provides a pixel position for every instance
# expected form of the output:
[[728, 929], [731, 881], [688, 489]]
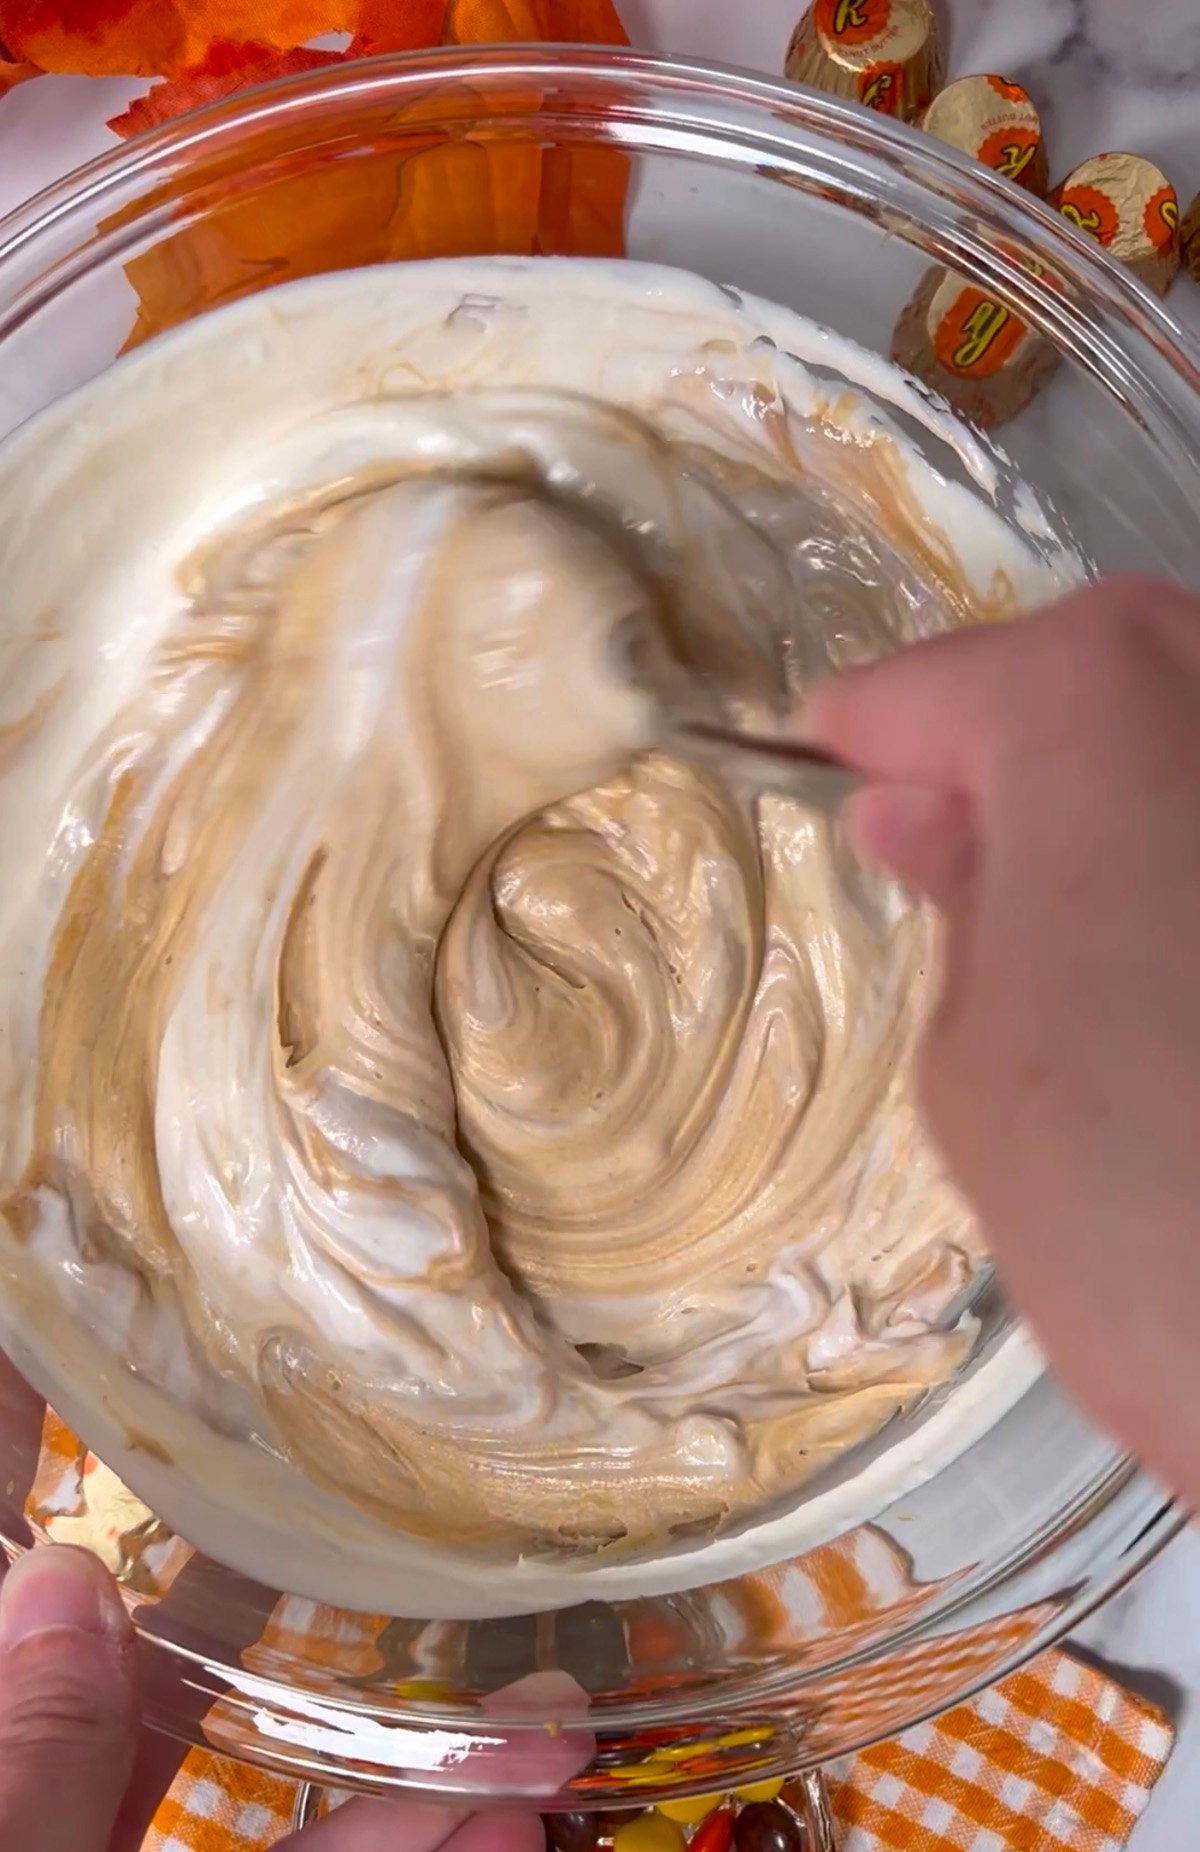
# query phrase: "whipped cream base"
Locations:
[[293, 924]]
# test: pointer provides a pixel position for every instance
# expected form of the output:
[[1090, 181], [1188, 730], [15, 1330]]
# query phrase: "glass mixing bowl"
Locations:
[[982, 1555]]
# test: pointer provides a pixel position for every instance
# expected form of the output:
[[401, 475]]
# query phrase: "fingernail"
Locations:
[[59, 1588]]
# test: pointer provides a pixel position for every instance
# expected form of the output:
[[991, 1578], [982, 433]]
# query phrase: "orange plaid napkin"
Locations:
[[1056, 1758], [217, 1805]]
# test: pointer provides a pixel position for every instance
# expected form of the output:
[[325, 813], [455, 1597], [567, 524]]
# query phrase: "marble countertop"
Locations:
[[1105, 74]]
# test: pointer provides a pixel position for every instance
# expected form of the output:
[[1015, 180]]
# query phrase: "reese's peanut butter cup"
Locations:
[[972, 349], [995, 121], [976, 352], [1130, 207], [1189, 239], [884, 53]]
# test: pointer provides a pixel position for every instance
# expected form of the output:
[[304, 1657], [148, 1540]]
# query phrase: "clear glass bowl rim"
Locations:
[[941, 172], [947, 182]]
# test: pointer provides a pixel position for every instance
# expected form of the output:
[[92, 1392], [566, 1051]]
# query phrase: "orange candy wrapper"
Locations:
[[1130, 207]]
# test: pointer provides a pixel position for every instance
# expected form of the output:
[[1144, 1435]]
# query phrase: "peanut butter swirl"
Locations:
[[409, 1065]]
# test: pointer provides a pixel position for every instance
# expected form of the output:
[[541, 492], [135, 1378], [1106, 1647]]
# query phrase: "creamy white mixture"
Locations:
[[429, 1110]]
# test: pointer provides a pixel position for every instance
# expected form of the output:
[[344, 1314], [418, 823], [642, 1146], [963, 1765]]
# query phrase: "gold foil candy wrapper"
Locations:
[[980, 356], [994, 121], [1129, 207], [883, 53], [1189, 239], [972, 349]]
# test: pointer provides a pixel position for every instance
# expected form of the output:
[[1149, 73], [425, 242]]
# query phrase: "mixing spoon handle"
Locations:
[[789, 767]]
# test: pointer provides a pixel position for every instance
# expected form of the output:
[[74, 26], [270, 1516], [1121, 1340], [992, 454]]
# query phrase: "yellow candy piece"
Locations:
[[652, 1832], [684, 1752], [680, 1752], [691, 1812], [760, 1790], [428, 1688]]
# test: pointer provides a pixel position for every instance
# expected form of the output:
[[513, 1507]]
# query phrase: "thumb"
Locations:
[[68, 1713], [926, 838]]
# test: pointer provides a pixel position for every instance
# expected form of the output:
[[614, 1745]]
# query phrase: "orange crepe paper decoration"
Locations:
[[227, 68], [490, 22], [178, 39], [385, 26], [405, 192], [13, 73], [160, 38]]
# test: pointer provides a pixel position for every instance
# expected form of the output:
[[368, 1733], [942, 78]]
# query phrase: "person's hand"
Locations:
[[1040, 783], [79, 1773], [71, 1777]]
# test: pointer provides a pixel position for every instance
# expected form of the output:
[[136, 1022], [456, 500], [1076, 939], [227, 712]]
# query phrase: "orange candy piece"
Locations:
[[715, 1835]]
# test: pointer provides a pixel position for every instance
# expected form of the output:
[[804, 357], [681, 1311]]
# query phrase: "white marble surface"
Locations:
[[1105, 74]]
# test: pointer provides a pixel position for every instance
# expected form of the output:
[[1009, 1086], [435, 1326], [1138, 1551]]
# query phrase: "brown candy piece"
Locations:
[[572, 1832], [993, 120], [1130, 207], [500, 1651], [590, 1645], [883, 53], [1189, 239], [765, 1826]]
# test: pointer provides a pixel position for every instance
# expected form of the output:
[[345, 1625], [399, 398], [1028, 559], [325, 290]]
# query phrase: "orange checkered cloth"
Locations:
[[1056, 1758]]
